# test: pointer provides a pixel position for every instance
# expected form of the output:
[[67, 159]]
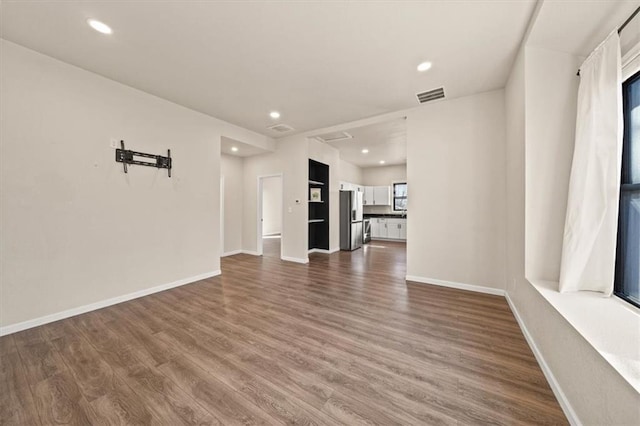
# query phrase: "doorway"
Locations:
[[270, 215], [374, 165], [222, 245]]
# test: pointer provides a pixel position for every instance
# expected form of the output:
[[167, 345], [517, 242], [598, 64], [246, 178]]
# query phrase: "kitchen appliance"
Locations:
[[366, 231], [350, 220]]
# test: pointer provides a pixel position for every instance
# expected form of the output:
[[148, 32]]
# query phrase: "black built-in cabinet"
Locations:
[[319, 210]]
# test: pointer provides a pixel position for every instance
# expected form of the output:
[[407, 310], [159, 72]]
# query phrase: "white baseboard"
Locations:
[[295, 259], [14, 328], [231, 253], [460, 286], [317, 250], [251, 252], [555, 386]]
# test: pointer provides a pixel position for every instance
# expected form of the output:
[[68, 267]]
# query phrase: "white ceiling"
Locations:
[[578, 27], [318, 63], [244, 149], [385, 141]]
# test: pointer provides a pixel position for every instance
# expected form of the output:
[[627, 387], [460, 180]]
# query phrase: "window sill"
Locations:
[[598, 319]]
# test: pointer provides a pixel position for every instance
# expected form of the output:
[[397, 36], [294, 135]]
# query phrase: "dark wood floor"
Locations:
[[343, 340]]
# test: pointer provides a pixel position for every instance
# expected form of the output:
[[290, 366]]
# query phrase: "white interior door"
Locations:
[[261, 213], [222, 247], [260, 218]]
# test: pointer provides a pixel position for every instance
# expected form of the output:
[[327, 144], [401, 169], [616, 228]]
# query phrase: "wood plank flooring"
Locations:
[[343, 340]]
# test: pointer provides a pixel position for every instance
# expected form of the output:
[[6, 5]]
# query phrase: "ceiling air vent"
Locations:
[[334, 137], [280, 128], [430, 95]]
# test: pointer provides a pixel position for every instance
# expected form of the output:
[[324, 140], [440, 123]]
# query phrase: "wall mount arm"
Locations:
[[125, 156]]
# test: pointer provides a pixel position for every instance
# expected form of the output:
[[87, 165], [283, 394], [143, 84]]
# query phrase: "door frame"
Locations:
[[222, 206], [261, 178]]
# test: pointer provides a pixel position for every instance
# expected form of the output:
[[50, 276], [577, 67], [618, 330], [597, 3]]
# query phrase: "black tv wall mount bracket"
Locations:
[[125, 156]]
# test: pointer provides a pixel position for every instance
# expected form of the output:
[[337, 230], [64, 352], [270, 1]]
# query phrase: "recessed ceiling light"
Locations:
[[381, 161], [274, 114], [234, 148], [101, 27], [365, 151], [424, 66]]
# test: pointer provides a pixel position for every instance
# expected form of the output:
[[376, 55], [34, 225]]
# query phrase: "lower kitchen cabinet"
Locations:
[[375, 228], [378, 228], [393, 229], [403, 230], [388, 228]]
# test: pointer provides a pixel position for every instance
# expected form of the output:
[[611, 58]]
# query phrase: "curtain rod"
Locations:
[[624, 24], [629, 19]]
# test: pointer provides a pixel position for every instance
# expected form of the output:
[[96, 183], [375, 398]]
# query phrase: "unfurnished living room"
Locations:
[[320, 212]]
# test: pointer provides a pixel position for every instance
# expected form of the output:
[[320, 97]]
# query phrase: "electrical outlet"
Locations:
[[114, 143]]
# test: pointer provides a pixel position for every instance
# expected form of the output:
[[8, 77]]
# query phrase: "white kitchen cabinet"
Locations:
[[367, 198], [376, 195], [393, 229], [375, 228], [382, 228], [347, 186], [388, 228], [384, 232], [382, 195]]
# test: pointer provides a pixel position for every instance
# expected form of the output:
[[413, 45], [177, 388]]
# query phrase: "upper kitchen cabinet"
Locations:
[[347, 186], [381, 195], [367, 198], [377, 196]]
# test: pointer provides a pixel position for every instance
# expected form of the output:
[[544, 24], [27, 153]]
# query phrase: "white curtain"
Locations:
[[591, 225]]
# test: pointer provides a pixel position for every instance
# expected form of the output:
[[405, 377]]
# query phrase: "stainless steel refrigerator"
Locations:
[[350, 220]]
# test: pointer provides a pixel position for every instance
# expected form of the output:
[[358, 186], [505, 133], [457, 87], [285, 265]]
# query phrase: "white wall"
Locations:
[[384, 176], [292, 160], [75, 229], [232, 170], [551, 97], [456, 206], [515, 179], [272, 206], [348, 172]]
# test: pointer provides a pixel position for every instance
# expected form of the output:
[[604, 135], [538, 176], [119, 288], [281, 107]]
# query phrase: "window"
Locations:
[[400, 196], [627, 281]]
